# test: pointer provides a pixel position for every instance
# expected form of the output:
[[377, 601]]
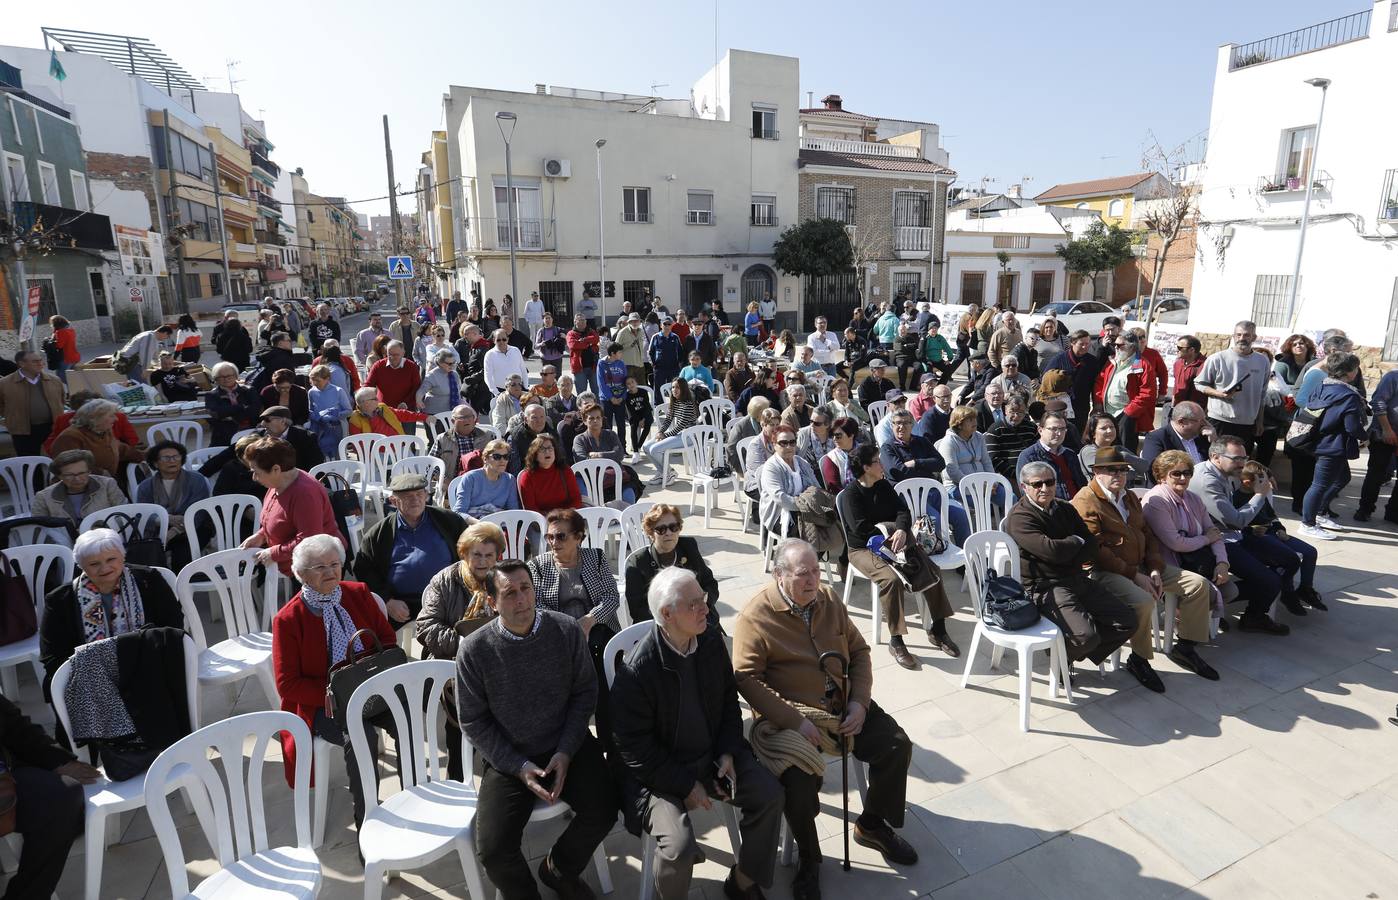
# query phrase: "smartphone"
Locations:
[[722, 782]]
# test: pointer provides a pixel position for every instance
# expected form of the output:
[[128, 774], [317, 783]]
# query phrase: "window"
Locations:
[[48, 184], [835, 203], [633, 291], [1041, 289], [907, 285], [80, 198], [764, 209], [193, 287], [186, 156], [1269, 299], [215, 284], [909, 209], [635, 204], [14, 121], [764, 123], [529, 232], [972, 287], [557, 297], [1011, 242], [16, 176], [201, 221], [1080, 206], [1297, 147], [1117, 207], [701, 208]]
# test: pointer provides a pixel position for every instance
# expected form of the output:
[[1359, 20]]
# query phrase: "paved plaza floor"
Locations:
[[1278, 781]]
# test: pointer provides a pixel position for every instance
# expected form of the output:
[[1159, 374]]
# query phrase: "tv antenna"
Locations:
[[233, 83], [656, 85]]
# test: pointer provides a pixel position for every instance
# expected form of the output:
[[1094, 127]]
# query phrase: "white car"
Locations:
[[1072, 315]]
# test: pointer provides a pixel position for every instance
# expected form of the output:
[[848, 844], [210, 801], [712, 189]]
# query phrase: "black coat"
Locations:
[[234, 344], [61, 632], [269, 360], [1164, 438], [1049, 554], [320, 331], [228, 417], [642, 567], [645, 702], [22, 743]]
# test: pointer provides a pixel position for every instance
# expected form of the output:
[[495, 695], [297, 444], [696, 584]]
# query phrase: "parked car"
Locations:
[[1073, 314], [1170, 306], [247, 314]]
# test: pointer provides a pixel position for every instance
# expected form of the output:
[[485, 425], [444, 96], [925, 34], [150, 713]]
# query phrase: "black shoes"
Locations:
[[567, 888], [1262, 624], [888, 842], [733, 892], [1362, 515], [1186, 657], [901, 654], [806, 884], [944, 643], [1138, 666], [1312, 599], [1292, 603]]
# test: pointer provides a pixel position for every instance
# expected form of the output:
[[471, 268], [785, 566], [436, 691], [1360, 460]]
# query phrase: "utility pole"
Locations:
[[393, 207], [222, 232], [171, 211], [22, 296]]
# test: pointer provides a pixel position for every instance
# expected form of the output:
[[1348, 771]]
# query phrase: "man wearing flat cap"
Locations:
[[399, 555], [275, 422]]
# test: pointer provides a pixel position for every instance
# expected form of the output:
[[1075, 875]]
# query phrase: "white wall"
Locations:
[[1347, 281]]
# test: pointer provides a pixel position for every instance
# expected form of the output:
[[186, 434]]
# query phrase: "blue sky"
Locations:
[[1055, 91]]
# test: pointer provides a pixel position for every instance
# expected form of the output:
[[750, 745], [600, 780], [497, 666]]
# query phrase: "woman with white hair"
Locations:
[[440, 390], [232, 407], [108, 598], [372, 416], [310, 634], [91, 430]]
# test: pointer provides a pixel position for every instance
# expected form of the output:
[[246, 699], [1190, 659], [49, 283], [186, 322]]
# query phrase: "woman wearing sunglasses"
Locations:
[[662, 525], [490, 488]]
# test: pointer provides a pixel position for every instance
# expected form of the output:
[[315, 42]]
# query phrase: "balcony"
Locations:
[[912, 242], [275, 238], [1353, 27], [260, 160], [495, 233], [860, 148], [853, 232], [66, 228], [1277, 184], [267, 200]]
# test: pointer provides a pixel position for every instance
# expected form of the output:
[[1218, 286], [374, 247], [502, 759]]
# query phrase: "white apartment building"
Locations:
[[1263, 153], [693, 191], [1034, 275]]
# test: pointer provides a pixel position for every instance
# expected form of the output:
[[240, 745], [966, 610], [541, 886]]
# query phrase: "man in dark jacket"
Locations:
[[471, 350], [534, 421], [49, 805], [666, 355], [874, 387], [276, 422], [907, 455], [232, 341], [399, 555], [1054, 546], [323, 328], [679, 733], [1184, 432], [270, 359], [1082, 366]]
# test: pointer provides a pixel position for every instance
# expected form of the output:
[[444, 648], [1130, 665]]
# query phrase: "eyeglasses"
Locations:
[[1234, 458], [1045, 483], [169, 457], [669, 528], [70, 476], [818, 423], [1181, 473], [553, 536], [1056, 429], [325, 569], [498, 457], [786, 442]]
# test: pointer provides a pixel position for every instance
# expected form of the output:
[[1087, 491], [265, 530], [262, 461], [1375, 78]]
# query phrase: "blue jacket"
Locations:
[[928, 462], [1067, 458], [611, 379], [1342, 424], [1385, 402], [665, 352]]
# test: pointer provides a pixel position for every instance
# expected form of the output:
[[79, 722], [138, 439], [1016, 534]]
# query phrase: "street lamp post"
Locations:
[[601, 239], [1310, 175], [507, 120]]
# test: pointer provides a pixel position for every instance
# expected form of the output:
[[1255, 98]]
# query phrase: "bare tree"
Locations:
[[869, 241], [1170, 208]]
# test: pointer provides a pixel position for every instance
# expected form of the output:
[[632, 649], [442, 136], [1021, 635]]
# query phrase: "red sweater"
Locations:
[[123, 429], [294, 514], [67, 340], [301, 659], [397, 387], [544, 490]]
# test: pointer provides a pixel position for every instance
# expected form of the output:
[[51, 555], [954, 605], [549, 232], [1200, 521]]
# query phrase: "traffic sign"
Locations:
[[36, 296], [26, 329], [400, 267], [138, 295]]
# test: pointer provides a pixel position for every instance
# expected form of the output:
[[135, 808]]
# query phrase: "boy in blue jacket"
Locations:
[[611, 390]]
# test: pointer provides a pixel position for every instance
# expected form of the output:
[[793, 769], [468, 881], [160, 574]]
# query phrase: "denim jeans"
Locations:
[[585, 381], [1331, 476]]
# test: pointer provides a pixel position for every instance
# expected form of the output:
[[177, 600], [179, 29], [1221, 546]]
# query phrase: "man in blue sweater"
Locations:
[[611, 391], [666, 355]]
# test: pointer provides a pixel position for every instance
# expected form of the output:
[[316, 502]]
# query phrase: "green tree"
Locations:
[[1100, 249], [814, 248]]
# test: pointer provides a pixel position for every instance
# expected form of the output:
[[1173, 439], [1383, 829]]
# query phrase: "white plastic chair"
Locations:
[[135, 474], [247, 651], [603, 527], [517, 524], [352, 471], [187, 433], [431, 467], [431, 815], [359, 447], [877, 410], [249, 867], [633, 535], [195, 459], [978, 492], [18, 475], [438, 424], [985, 549], [617, 646], [143, 513], [703, 450], [36, 566], [233, 518], [382, 456], [239, 435], [744, 448], [917, 493], [109, 798], [718, 412], [852, 573], [592, 478], [662, 412], [454, 490]]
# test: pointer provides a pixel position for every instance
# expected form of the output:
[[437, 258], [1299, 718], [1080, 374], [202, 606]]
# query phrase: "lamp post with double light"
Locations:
[[506, 122], [1310, 175]]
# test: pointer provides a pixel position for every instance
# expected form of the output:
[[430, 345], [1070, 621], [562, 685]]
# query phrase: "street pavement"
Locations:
[[1275, 782]]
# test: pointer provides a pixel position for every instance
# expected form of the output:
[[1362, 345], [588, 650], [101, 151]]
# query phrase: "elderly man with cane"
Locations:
[[778, 642]]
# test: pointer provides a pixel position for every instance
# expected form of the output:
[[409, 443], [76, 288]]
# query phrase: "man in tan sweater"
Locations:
[[777, 643]]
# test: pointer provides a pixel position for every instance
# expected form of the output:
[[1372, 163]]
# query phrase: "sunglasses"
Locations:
[[1181, 473], [1046, 483], [670, 528], [498, 457], [553, 536], [786, 443]]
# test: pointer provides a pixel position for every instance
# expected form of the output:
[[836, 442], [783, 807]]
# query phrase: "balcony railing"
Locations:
[[700, 217], [270, 237], [262, 162], [65, 227], [637, 218], [268, 200], [763, 218], [765, 134], [1353, 27], [912, 239], [1276, 184], [494, 234], [853, 232], [861, 148]]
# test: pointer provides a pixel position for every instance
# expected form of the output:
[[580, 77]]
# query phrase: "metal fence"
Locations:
[[1269, 296], [1303, 40]]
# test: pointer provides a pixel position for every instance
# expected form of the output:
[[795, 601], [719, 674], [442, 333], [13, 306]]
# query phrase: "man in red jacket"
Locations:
[[583, 341], [397, 379], [1125, 390]]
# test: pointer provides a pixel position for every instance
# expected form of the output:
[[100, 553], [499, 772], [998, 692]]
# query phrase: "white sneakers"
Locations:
[[1316, 533], [1327, 522]]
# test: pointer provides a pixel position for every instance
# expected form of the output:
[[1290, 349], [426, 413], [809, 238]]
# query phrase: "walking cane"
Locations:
[[843, 688]]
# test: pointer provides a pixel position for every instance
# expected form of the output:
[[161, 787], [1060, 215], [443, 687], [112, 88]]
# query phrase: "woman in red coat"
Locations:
[[544, 485], [1126, 391], [313, 632]]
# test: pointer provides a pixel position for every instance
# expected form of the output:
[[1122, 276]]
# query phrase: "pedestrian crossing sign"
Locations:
[[400, 267]]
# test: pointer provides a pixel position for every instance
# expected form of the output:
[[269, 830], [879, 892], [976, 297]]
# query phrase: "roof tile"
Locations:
[[1098, 186], [877, 163]]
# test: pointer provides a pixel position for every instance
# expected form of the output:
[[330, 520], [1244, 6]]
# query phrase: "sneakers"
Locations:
[[1141, 668], [1312, 599], [1329, 523], [1316, 533]]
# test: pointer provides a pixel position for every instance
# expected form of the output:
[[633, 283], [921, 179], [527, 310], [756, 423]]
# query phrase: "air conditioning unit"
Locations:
[[557, 168]]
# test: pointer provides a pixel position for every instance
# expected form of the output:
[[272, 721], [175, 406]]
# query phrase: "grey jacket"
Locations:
[[102, 493], [434, 394], [1216, 490]]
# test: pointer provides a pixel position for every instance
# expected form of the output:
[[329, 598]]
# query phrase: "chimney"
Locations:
[[1015, 192], [832, 101], [541, 89]]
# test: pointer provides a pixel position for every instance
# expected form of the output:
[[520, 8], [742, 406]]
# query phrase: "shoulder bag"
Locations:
[[344, 500], [348, 674], [1005, 604], [1303, 435], [18, 619], [143, 547]]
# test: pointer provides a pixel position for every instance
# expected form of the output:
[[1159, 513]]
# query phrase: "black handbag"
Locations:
[[1200, 561], [344, 500], [1005, 604], [143, 547], [347, 675]]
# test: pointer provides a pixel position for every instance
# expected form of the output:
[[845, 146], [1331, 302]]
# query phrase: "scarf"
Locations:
[[453, 390], [339, 628], [841, 460], [173, 498], [128, 614]]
